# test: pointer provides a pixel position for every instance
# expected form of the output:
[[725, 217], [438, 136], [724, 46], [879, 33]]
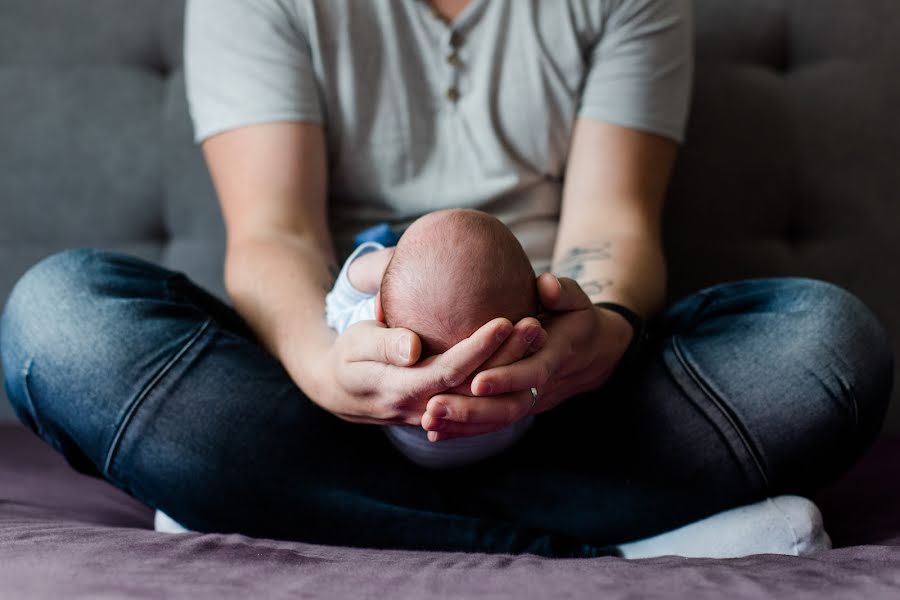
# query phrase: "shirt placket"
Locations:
[[452, 49]]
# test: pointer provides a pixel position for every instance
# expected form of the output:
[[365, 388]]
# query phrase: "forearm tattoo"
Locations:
[[574, 264]]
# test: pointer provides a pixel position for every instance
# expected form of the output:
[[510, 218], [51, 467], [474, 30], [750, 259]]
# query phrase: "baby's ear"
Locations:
[[379, 312]]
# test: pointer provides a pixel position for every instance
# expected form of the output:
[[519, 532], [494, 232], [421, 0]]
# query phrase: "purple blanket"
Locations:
[[64, 535]]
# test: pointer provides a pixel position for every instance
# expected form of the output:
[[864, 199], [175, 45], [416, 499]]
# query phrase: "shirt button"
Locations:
[[454, 59], [452, 94], [456, 39]]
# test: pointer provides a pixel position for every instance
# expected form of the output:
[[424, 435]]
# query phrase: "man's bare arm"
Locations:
[[609, 238], [271, 183]]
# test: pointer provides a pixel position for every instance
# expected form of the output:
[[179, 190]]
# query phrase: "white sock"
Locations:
[[782, 525], [166, 524]]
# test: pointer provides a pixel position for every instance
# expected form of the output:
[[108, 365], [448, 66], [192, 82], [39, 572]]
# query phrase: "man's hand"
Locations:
[[372, 373], [583, 346]]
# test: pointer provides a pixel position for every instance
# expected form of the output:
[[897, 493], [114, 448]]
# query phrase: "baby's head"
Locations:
[[452, 272]]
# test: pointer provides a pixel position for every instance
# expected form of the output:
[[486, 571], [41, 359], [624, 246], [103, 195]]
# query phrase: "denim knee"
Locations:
[[32, 319], [845, 354], [798, 371], [861, 352], [45, 332]]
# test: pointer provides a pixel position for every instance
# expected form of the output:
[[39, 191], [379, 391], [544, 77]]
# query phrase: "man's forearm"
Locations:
[[278, 284], [609, 237], [626, 269]]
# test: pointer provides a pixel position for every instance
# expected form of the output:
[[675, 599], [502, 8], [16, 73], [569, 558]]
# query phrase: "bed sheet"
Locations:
[[66, 535]]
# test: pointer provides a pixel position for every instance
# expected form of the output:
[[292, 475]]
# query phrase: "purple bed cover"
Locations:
[[65, 535]]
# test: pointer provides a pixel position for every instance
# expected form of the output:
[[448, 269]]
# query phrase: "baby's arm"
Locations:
[[350, 302], [366, 271]]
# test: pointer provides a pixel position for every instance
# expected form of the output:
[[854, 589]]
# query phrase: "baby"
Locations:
[[451, 272]]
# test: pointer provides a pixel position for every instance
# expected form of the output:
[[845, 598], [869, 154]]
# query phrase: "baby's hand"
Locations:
[[365, 272]]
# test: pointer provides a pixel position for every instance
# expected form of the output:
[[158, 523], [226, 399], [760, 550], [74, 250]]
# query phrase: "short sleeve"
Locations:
[[641, 67], [246, 63]]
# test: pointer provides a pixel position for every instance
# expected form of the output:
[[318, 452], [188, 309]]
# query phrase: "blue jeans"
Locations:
[[746, 390]]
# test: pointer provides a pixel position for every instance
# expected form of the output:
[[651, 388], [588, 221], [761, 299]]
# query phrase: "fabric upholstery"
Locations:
[[790, 165], [96, 146]]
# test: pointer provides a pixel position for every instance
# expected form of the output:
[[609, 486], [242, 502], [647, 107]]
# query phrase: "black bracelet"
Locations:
[[637, 323]]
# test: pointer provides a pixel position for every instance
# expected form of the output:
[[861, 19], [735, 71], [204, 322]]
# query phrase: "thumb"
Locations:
[[400, 347], [372, 341], [561, 294]]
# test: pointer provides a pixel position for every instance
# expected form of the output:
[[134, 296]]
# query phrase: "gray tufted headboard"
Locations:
[[95, 142], [792, 164]]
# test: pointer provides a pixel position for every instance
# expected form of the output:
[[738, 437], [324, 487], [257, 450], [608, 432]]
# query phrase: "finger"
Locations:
[[445, 411], [440, 436], [373, 341], [560, 295], [468, 429], [450, 369], [450, 429], [533, 371], [527, 336]]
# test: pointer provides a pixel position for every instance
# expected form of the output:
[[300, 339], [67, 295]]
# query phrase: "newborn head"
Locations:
[[452, 272]]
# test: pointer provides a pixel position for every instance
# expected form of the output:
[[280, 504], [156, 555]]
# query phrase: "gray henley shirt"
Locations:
[[421, 114]]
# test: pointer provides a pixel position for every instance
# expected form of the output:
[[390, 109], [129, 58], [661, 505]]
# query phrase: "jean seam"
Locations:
[[26, 373], [723, 409], [142, 395], [847, 388]]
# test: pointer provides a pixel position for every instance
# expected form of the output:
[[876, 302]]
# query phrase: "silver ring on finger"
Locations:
[[534, 399]]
